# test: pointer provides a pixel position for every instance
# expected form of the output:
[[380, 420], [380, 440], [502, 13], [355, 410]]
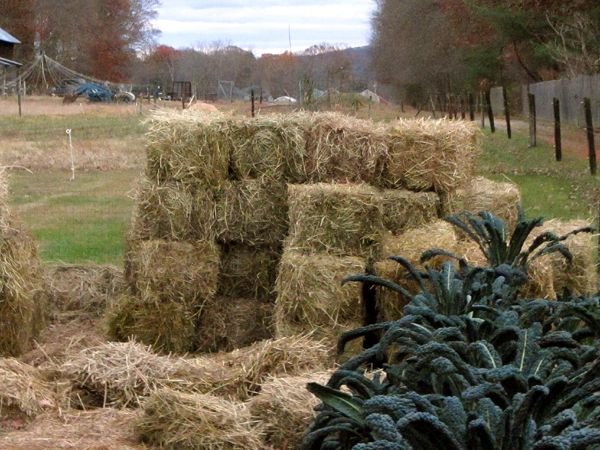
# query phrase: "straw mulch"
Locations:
[[24, 391], [191, 148], [248, 271], [173, 211], [311, 298], [121, 374], [229, 323], [179, 421], [344, 149], [436, 155], [409, 245], [252, 212], [90, 288], [337, 219], [182, 272], [23, 297], [403, 210], [97, 429], [271, 148], [500, 198], [581, 276], [284, 408]]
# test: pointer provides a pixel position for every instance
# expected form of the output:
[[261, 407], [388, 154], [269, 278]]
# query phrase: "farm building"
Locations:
[[7, 50]]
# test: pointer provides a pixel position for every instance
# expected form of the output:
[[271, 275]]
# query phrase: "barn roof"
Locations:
[[5, 36]]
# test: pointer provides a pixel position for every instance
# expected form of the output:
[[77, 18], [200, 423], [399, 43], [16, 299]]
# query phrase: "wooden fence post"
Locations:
[[587, 106], [471, 107], [482, 109], [18, 84], [557, 132], [506, 112], [252, 102], [532, 121], [490, 113]]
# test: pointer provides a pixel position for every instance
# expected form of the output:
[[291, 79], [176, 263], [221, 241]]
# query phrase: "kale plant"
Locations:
[[470, 365]]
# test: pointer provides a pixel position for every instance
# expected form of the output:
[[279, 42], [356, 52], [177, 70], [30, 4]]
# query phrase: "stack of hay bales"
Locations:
[[239, 220], [23, 300]]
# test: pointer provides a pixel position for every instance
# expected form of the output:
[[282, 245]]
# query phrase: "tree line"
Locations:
[[442, 46]]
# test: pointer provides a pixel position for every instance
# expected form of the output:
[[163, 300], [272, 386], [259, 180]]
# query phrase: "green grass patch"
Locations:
[[76, 221], [45, 128], [551, 189]]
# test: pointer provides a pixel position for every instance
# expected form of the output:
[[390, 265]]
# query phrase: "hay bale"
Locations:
[[166, 271], [180, 421], [229, 323], [410, 245], [190, 148], [252, 212], [89, 288], [284, 408], [338, 219], [500, 198], [23, 298], [23, 390], [97, 429], [168, 326], [581, 276], [344, 149], [173, 211], [424, 155], [271, 148], [311, 298], [403, 210], [248, 271]]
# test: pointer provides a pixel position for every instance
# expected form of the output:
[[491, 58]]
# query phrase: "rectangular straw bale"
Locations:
[[425, 155], [284, 408], [248, 271], [229, 323], [23, 298], [311, 298], [581, 276], [189, 148], [481, 194], [271, 148], [403, 210], [184, 272], [252, 212], [167, 325], [173, 211], [409, 245], [338, 219], [344, 149], [183, 421]]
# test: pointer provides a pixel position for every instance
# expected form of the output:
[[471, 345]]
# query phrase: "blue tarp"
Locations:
[[94, 92]]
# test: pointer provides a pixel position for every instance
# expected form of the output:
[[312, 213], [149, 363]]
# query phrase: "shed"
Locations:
[[371, 96], [7, 44]]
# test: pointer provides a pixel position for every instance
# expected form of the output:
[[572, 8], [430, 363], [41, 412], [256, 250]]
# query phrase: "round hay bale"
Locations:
[[75, 287], [403, 210], [311, 298], [271, 148], [230, 323], [253, 212], [436, 155], [168, 326], [168, 271], [344, 149], [173, 211], [284, 408], [190, 148], [24, 393], [97, 429], [248, 271], [500, 198], [338, 219], [179, 421]]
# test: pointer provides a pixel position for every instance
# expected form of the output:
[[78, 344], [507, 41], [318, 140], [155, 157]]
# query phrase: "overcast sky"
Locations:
[[262, 25]]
